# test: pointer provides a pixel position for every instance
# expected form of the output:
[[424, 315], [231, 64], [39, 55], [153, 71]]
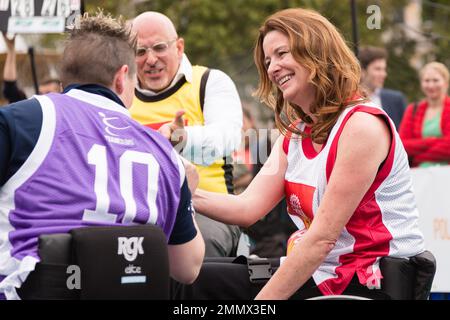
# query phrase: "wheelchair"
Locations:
[[131, 262], [242, 278], [403, 279], [89, 263]]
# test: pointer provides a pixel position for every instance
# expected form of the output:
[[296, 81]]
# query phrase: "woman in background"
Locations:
[[425, 128]]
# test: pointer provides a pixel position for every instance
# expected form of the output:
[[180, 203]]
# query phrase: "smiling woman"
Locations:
[[340, 165], [325, 70], [291, 78]]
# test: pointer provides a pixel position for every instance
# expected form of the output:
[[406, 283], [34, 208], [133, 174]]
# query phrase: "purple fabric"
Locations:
[[54, 198]]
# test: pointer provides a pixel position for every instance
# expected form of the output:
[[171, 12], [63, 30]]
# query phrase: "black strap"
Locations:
[[260, 270], [160, 96], [228, 173], [48, 282], [203, 81]]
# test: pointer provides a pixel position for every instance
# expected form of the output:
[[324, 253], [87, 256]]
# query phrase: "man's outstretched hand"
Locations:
[[175, 132]]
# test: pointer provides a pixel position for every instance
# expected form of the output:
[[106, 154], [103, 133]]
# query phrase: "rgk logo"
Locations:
[[130, 247]]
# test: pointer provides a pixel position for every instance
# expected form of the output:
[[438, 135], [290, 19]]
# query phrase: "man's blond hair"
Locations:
[[96, 49]]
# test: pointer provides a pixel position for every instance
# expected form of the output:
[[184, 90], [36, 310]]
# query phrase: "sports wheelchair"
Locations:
[[242, 278]]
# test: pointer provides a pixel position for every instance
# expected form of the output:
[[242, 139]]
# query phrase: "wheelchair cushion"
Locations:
[[122, 262], [49, 278], [398, 278], [47, 282], [55, 248], [425, 264]]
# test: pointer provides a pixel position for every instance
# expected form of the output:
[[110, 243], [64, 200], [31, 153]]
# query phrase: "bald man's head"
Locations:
[[157, 68], [153, 19]]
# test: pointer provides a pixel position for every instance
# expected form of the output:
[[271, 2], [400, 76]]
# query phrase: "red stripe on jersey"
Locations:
[[308, 147], [155, 126], [366, 224], [385, 167]]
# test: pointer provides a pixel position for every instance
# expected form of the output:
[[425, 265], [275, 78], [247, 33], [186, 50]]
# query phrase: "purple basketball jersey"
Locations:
[[92, 165]]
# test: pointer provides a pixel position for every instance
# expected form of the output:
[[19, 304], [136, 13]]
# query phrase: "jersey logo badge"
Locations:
[[109, 126]]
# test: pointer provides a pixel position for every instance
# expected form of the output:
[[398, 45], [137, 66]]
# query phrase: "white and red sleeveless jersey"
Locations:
[[385, 223]]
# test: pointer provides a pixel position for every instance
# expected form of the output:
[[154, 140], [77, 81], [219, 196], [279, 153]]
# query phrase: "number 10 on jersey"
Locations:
[[97, 156]]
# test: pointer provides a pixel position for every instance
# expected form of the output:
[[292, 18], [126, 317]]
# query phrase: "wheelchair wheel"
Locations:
[[338, 297]]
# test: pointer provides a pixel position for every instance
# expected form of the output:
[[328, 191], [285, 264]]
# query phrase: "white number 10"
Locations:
[[97, 157]]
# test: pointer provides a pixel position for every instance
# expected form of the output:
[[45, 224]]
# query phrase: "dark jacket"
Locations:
[[394, 103]]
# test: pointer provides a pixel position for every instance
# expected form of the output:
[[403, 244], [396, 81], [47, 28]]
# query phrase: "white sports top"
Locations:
[[385, 223]]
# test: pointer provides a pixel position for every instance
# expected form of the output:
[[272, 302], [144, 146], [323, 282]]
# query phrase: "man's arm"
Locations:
[[20, 126], [186, 246], [221, 133]]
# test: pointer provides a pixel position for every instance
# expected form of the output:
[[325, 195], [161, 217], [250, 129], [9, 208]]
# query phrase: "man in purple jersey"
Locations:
[[78, 159]]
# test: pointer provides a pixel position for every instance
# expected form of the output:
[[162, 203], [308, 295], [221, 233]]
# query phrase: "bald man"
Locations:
[[197, 108]]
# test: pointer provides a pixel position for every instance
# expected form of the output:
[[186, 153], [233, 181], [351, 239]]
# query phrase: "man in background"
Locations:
[[208, 129], [373, 63]]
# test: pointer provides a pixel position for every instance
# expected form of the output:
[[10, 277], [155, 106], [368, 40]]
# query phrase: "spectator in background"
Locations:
[[425, 129], [373, 62], [11, 91], [48, 85], [211, 130]]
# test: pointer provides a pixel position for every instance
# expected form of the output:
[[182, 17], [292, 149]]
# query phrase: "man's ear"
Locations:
[[180, 47], [119, 79]]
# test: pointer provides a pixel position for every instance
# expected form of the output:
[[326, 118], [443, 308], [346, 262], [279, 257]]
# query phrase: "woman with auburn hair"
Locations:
[[339, 163], [425, 128]]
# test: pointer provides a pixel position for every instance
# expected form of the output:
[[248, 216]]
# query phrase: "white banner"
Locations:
[[432, 190], [36, 25], [38, 16]]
